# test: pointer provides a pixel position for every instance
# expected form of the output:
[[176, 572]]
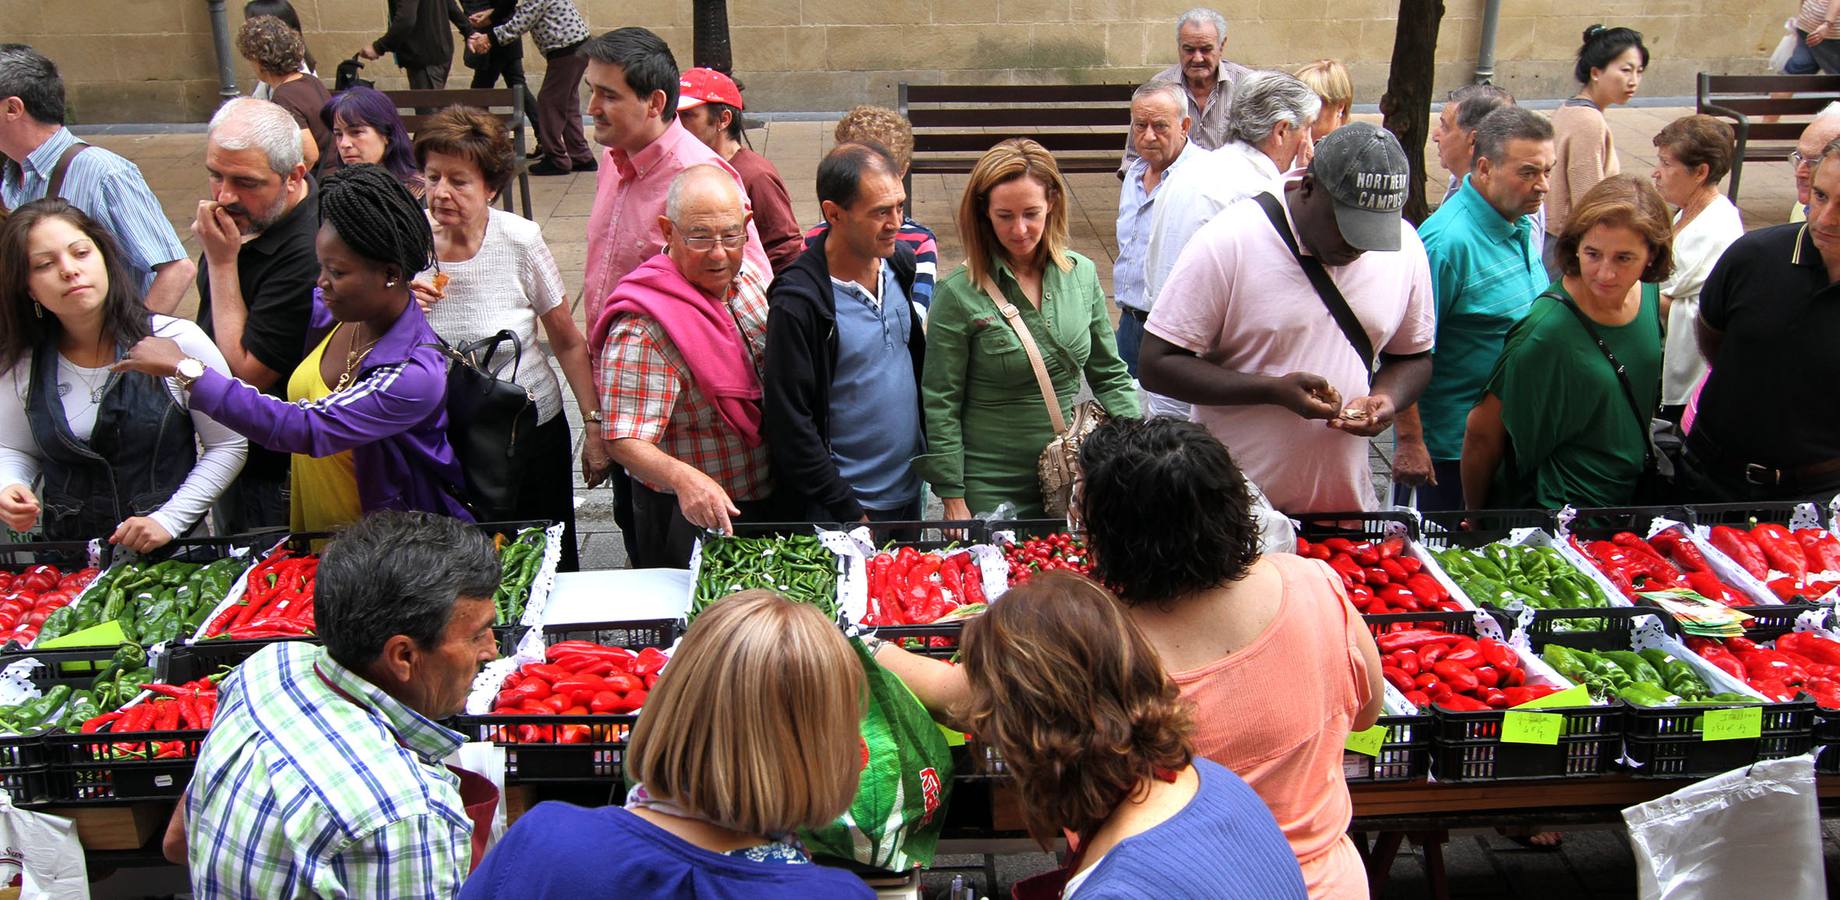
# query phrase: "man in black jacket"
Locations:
[[420, 38], [844, 348]]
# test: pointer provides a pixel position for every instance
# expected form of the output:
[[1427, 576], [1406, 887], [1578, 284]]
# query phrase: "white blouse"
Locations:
[[218, 465], [1696, 248]]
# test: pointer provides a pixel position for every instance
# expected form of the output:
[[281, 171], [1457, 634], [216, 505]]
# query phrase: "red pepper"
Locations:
[[1787, 589], [1429, 655], [1366, 554], [604, 702], [1815, 647], [1425, 681], [1398, 678], [95, 724], [622, 683], [1375, 575], [1403, 640], [1781, 550], [1418, 699], [1517, 696], [1709, 586], [1461, 703], [1498, 654], [1406, 661], [1427, 587], [1821, 549], [1741, 548], [651, 661], [1349, 569], [1486, 676], [1458, 676], [1466, 653], [1678, 547], [1400, 598], [1395, 572], [1637, 546]]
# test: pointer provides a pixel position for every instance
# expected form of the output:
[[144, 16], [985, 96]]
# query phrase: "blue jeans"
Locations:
[[1130, 337], [1801, 62]]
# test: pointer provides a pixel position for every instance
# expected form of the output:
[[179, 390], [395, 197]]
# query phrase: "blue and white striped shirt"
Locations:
[[109, 188]]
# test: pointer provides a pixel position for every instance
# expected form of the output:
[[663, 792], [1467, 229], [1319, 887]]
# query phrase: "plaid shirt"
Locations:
[[648, 395], [302, 792]]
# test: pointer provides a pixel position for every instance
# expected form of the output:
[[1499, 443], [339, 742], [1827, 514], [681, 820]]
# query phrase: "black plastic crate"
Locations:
[[1369, 525], [1600, 522], [117, 768], [192, 660], [1771, 622], [1468, 746], [1749, 515], [1614, 624], [1474, 528], [66, 555], [1405, 755], [1665, 742], [1023, 528], [1827, 738], [635, 635], [208, 549], [938, 640], [537, 757], [75, 666], [924, 535], [23, 769], [1452, 622]]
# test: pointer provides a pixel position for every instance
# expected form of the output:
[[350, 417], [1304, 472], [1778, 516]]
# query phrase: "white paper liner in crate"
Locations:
[[238, 588], [16, 685], [852, 574], [545, 580], [1806, 515], [993, 568]]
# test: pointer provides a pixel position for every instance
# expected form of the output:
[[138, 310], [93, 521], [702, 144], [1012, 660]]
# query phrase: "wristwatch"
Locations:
[[591, 417], [189, 370]]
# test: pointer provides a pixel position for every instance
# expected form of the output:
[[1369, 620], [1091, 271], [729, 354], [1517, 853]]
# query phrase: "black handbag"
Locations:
[[490, 423]]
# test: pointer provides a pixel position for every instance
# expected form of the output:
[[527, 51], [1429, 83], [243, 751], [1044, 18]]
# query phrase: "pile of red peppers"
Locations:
[[576, 678], [1380, 577], [190, 706], [29, 597], [1803, 565], [1040, 554], [1455, 671], [1801, 662], [908, 587], [278, 602], [1669, 561]]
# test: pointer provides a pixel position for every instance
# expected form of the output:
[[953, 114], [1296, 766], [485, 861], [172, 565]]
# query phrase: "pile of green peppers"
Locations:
[[518, 563], [65, 708], [1648, 678], [1502, 576], [800, 567], [154, 602]]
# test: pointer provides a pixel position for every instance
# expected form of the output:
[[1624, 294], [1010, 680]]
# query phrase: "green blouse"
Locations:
[[985, 421]]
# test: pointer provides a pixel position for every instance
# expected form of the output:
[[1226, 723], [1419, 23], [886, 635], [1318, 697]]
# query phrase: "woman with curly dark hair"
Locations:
[[1074, 699], [1274, 662]]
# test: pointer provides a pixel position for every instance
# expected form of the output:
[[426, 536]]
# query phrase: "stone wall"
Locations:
[[152, 60]]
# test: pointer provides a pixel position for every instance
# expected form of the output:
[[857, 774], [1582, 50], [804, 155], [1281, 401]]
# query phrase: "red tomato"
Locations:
[[40, 577], [36, 618], [51, 600]]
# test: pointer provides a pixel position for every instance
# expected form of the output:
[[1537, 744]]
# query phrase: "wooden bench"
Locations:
[[502, 102], [1085, 126], [1745, 98]]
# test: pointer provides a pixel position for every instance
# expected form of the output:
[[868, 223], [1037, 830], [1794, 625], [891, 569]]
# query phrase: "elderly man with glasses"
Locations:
[[680, 345], [1821, 131]]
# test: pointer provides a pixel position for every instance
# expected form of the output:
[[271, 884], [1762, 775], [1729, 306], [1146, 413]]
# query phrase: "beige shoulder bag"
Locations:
[[1061, 458]]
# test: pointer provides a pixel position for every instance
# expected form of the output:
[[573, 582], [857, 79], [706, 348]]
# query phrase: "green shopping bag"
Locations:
[[900, 804]]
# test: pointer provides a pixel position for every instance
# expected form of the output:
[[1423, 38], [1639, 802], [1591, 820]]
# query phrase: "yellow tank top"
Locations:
[[325, 489]]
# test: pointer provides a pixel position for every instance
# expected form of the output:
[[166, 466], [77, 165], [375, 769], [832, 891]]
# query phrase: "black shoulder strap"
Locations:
[[1325, 286], [63, 165], [1622, 375]]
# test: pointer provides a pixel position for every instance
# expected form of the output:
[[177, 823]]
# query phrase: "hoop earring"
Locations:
[[38, 309]]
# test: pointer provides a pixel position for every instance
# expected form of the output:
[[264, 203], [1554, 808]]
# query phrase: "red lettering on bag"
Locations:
[[929, 793]]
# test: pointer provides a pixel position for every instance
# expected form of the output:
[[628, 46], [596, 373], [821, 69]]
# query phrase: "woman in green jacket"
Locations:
[[986, 422]]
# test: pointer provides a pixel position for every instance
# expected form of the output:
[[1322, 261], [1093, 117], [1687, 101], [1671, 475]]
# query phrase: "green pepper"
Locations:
[[33, 713], [81, 708], [1642, 693], [126, 656], [1637, 667], [61, 622]]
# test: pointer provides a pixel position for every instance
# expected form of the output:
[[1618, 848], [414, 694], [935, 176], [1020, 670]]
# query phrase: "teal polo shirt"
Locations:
[[1485, 272]]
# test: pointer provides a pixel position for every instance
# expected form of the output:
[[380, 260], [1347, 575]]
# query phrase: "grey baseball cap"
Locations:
[[1364, 170]]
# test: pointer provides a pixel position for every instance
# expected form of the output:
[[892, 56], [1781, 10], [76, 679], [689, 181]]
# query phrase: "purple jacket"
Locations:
[[393, 420]]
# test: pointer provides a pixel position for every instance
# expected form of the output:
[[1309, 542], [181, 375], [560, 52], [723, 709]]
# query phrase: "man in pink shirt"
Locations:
[[1241, 331], [632, 82]]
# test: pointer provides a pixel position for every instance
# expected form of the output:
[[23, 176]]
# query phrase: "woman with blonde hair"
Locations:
[[986, 419], [1074, 699], [1329, 79], [752, 732]]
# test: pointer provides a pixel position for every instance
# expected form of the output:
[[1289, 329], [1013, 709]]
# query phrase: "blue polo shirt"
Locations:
[[875, 404], [1485, 272]]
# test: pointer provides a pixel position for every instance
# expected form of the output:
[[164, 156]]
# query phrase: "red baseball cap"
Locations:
[[699, 86]]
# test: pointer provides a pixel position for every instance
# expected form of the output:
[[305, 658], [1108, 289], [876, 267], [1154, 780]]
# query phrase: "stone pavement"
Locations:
[[1593, 863]]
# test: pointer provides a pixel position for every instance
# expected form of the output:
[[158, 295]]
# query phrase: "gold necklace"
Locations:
[[352, 359]]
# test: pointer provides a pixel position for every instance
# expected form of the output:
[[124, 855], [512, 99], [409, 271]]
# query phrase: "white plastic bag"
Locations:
[[42, 852], [1751, 832], [1785, 48]]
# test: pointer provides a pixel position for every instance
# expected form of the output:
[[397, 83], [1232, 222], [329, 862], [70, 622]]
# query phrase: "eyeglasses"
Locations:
[[707, 243], [1797, 160]]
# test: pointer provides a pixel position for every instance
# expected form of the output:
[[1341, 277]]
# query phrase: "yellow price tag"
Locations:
[[1531, 727], [1577, 695], [1732, 724], [1367, 743]]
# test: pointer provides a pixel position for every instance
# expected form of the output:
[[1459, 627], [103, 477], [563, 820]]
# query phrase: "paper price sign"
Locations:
[[1531, 727], [1367, 742], [1732, 724]]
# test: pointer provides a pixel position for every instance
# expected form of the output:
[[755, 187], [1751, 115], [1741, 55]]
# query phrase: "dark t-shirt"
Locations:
[[303, 98], [1770, 398], [780, 234], [276, 271], [1572, 436]]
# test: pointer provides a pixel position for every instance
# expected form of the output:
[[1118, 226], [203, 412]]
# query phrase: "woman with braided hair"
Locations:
[[365, 416]]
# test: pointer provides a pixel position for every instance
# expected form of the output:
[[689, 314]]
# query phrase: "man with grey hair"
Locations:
[[1821, 131], [43, 158], [1209, 83], [1454, 132], [255, 285], [1159, 134], [1485, 272], [681, 343]]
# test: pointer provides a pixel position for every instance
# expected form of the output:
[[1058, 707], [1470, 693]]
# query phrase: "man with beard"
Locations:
[[255, 282]]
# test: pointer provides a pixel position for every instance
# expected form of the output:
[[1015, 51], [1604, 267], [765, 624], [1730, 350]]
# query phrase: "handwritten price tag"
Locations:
[[1573, 696], [1367, 742], [1733, 724], [1531, 728]]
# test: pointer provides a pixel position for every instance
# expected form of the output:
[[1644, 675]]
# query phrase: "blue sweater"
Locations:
[[1223, 844], [567, 852]]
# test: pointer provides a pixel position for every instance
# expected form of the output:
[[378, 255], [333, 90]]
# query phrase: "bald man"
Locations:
[[680, 344], [1821, 131]]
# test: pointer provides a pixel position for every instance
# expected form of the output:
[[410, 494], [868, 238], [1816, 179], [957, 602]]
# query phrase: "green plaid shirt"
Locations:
[[302, 792]]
